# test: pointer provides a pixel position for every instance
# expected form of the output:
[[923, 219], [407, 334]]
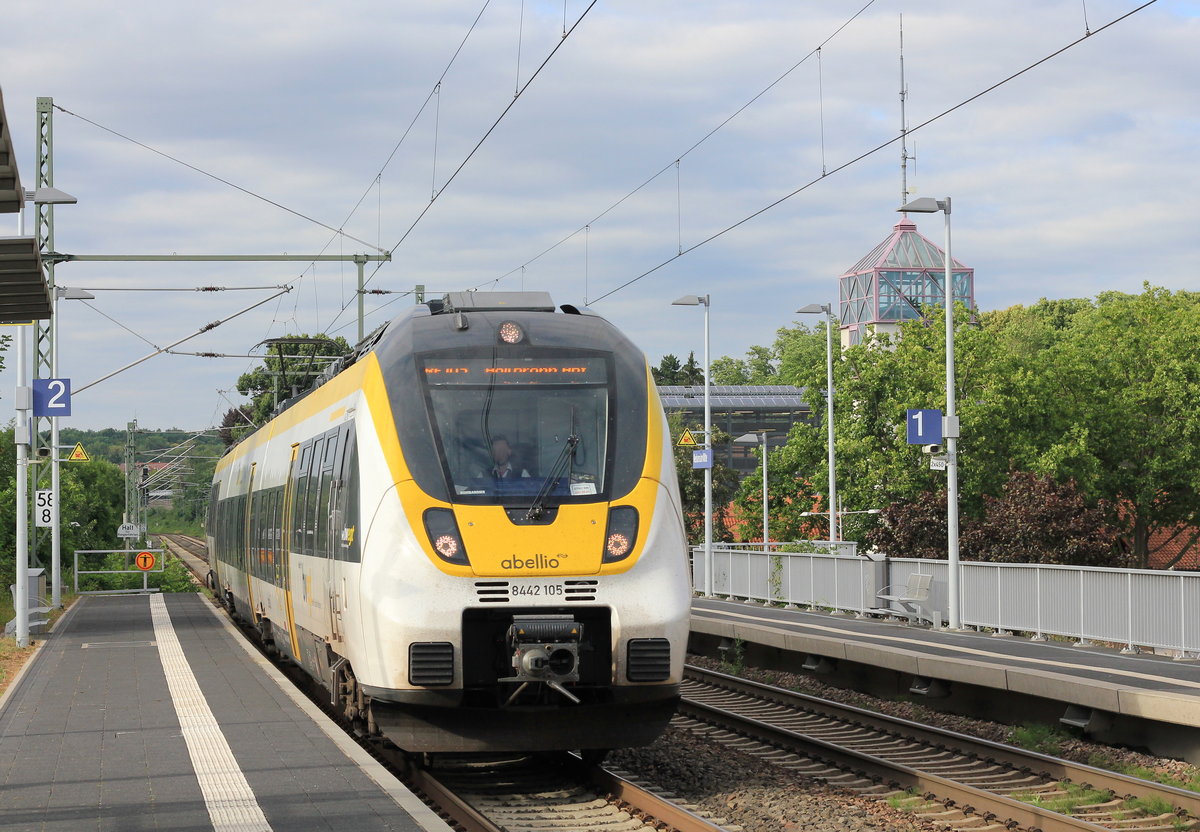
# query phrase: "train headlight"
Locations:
[[621, 534], [442, 529], [511, 333]]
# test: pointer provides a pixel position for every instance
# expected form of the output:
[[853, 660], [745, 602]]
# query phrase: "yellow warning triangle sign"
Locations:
[[79, 454], [686, 440]]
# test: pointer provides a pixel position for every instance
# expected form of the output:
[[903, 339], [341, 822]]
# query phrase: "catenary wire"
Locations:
[[872, 151], [472, 153], [815, 50], [222, 180]]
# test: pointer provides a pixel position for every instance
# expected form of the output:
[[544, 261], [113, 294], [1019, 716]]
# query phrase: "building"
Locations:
[[741, 409], [892, 283]]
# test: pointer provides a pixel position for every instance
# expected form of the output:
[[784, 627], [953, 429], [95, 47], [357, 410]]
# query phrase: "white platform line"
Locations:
[[231, 804]]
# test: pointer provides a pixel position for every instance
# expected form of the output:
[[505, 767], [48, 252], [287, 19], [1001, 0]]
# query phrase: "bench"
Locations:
[[912, 600]]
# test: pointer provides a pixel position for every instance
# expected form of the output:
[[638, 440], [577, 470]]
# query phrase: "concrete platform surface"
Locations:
[[1143, 685], [152, 712]]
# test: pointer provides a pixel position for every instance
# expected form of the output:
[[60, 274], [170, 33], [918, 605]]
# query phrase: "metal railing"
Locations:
[[104, 563], [1139, 608]]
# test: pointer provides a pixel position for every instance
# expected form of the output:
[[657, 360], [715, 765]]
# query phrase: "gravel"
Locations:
[[760, 797]]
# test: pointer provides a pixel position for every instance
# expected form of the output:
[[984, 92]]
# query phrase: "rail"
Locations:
[[973, 775]]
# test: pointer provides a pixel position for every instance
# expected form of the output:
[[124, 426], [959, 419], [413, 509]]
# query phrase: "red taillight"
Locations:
[[442, 529], [621, 533]]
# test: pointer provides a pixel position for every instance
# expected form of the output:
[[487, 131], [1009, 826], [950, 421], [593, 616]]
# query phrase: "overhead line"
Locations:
[[873, 151], [160, 350], [222, 180], [815, 50], [474, 150]]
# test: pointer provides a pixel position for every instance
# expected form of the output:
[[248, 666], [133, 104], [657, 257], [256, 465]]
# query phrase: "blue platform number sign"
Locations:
[[702, 458], [51, 397], [924, 427]]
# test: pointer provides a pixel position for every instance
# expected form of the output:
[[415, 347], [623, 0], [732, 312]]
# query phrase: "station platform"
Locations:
[[153, 712], [1141, 700]]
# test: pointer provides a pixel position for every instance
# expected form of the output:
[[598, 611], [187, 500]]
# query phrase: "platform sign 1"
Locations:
[[702, 458], [924, 427], [51, 397], [44, 513]]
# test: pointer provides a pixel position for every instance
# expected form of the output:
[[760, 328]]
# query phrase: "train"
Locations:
[[469, 532]]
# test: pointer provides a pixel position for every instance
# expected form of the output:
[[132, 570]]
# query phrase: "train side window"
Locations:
[[299, 492], [345, 532], [326, 488]]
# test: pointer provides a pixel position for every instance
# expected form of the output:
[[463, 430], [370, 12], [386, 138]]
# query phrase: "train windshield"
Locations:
[[511, 428]]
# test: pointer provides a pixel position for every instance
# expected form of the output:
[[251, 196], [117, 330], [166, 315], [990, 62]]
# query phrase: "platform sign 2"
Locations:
[[924, 427], [51, 397], [702, 458]]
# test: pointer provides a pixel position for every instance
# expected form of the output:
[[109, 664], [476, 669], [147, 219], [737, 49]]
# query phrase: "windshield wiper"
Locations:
[[564, 457]]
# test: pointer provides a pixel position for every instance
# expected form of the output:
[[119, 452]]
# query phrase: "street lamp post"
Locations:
[[950, 430], [703, 300], [754, 439], [834, 530], [23, 436]]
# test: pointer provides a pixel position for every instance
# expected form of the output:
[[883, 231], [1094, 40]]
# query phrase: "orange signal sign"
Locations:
[[145, 561]]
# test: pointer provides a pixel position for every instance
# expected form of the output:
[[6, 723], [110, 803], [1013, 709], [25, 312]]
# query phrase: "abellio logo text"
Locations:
[[538, 561]]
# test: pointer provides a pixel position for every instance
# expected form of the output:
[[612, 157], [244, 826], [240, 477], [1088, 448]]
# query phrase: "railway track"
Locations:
[[518, 794], [548, 792], [949, 776]]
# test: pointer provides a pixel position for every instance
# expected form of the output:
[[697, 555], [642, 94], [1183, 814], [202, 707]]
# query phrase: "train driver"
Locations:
[[502, 465]]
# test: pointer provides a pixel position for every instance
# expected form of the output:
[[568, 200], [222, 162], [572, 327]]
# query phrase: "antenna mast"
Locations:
[[904, 157]]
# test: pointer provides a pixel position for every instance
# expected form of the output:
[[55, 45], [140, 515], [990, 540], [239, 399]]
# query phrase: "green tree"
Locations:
[[1097, 392], [668, 370], [691, 373], [91, 500], [293, 366], [691, 487], [1126, 376]]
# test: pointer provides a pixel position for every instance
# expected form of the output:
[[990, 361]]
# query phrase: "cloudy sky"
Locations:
[[1075, 178]]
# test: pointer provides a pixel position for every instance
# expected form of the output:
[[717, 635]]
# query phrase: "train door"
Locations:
[[326, 543], [284, 548]]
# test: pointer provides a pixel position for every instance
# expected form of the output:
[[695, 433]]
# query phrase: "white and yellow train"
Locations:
[[469, 532]]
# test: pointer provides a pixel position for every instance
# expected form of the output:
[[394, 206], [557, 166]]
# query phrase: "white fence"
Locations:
[[1135, 607]]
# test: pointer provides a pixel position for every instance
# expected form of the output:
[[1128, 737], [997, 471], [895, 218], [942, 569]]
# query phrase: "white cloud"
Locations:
[[1073, 179]]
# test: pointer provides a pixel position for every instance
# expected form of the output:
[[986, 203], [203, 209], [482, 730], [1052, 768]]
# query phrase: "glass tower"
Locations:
[[899, 277]]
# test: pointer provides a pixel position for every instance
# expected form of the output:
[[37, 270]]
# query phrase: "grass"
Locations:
[[904, 801], [1044, 739], [12, 658], [1076, 796], [1191, 783], [733, 660]]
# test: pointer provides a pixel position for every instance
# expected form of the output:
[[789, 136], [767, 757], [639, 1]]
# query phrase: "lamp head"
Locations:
[[747, 439], [64, 293], [690, 300], [925, 205], [813, 308], [52, 196]]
